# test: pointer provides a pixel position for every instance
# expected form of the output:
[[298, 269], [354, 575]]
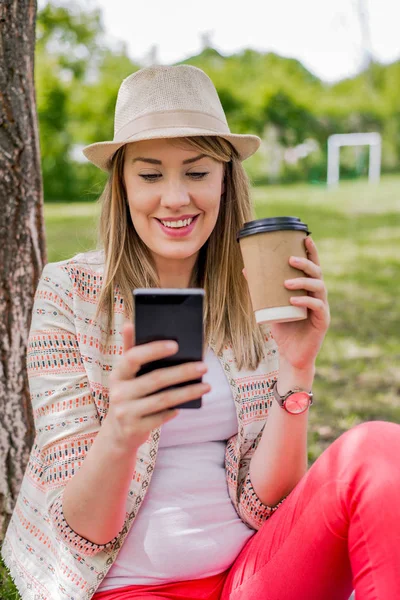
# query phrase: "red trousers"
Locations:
[[338, 530]]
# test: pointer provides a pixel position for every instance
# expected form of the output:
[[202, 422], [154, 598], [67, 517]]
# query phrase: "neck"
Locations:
[[175, 273]]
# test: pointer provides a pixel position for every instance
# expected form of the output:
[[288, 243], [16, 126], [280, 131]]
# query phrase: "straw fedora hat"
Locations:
[[167, 102]]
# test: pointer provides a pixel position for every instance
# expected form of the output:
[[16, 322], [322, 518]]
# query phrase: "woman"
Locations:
[[228, 510]]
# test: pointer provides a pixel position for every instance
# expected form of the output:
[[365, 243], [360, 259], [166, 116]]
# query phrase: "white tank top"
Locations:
[[187, 527]]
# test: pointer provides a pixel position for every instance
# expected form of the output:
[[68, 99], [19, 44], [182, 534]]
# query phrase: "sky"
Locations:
[[325, 35]]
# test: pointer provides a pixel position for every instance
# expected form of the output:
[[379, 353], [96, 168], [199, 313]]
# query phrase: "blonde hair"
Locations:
[[228, 314]]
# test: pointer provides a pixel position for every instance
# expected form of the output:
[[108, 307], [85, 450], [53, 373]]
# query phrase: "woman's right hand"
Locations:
[[132, 416]]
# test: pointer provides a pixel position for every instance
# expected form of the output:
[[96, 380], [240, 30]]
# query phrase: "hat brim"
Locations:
[[101, 153]]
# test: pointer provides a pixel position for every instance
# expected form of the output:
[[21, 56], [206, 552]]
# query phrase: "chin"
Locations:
[[177, 253]]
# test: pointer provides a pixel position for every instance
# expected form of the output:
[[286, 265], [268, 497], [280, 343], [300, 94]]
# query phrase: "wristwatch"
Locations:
[[295, 402]]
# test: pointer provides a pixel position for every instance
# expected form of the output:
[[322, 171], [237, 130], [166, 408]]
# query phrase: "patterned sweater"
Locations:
[[68, 369]]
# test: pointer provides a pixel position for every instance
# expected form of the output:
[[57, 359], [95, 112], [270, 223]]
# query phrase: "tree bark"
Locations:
[[22, 240]]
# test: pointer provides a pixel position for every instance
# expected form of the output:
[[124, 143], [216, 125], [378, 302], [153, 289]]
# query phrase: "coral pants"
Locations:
[[338, 530]]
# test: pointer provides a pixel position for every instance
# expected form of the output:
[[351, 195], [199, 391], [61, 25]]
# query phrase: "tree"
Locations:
[[77, 78], [68, 42], [22, 240], [293, 121]]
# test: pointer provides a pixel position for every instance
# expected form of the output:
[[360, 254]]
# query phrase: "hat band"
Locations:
[[194, 120]]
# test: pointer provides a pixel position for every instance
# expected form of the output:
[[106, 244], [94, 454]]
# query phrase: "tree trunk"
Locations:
[[22, 240]]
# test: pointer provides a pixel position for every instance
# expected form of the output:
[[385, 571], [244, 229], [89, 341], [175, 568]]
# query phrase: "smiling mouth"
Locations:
[[174, 226], [180, 231]]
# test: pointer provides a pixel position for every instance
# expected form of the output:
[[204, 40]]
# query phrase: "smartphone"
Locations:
[[171, 314]]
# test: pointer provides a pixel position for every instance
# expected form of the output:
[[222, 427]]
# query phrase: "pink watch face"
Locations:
[[297, 403]]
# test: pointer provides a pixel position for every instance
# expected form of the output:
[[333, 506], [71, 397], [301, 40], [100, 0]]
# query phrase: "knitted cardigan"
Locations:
[[68, 369]]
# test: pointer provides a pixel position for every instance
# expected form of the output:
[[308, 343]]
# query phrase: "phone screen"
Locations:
[[171, 314]]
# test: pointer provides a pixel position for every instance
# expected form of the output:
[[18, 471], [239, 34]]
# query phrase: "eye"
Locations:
[[198, 175], [150, 177]]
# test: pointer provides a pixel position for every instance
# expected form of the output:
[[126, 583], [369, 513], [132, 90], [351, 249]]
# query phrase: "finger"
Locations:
[[311, 250], [165, 377], [315, 286], [318, 306], [304, 264], [168, 399], [154, 421], [137, 356], [128, 336]]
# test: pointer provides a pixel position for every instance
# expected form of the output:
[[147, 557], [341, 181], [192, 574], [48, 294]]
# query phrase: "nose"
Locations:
[[175, 195]]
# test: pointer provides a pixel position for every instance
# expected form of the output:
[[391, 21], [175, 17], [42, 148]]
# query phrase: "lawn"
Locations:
[[357, 231]]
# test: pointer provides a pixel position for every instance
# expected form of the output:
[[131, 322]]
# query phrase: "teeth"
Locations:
[[177, 224]]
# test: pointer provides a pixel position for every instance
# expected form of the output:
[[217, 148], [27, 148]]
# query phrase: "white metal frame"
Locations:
[[373, 140]]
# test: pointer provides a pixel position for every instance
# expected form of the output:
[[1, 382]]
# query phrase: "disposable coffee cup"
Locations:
[[266, 245]]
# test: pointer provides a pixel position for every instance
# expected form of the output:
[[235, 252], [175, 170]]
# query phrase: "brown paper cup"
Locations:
[[266, 259]]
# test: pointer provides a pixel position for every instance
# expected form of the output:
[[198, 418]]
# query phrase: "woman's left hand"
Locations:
[[300, 341]]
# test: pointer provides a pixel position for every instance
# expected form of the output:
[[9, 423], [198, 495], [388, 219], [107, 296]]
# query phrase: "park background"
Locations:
[[78, 72], [356, 225]]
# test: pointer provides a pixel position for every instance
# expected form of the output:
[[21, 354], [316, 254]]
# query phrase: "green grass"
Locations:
[[357, 231], [8, 591]]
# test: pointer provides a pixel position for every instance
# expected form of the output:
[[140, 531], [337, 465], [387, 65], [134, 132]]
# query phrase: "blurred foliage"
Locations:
[[78, 76]]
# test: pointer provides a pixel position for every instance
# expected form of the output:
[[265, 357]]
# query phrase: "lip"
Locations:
[[180, 218], [182, 232]]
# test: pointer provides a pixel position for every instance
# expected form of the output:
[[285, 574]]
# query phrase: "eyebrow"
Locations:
[[154, 161]]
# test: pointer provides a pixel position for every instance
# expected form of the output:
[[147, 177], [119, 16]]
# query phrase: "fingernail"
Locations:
[[171, 346]]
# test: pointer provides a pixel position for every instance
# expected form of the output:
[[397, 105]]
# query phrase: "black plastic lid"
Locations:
[[272, 224]]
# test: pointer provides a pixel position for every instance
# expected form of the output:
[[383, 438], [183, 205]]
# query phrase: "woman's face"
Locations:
[[164, 181]]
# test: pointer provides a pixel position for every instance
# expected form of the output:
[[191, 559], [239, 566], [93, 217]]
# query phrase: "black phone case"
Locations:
[[171, 314]]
